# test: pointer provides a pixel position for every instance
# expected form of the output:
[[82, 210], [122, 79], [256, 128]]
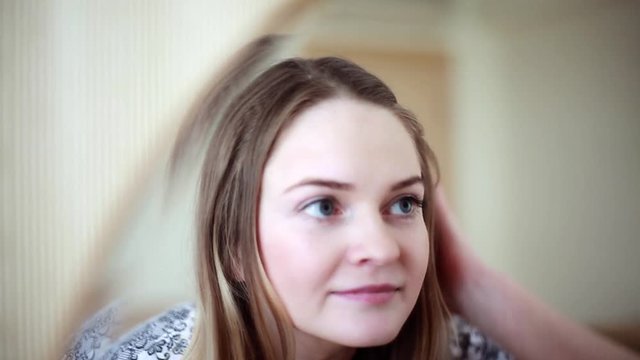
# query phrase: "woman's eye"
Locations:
[[404, 206], [322, 208]]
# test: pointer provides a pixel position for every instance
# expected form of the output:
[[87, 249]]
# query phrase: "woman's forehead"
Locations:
[[345, 139]]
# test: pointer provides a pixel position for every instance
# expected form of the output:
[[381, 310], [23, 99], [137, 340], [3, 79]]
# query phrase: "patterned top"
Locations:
[[166, 337]]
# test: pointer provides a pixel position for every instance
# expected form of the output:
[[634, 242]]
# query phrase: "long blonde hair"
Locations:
[[240, 315]]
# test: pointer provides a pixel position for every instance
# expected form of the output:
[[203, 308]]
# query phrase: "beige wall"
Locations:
[[547, 150], [90, 93]]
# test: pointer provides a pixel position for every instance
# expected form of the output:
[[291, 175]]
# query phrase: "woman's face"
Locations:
[[341, 231]]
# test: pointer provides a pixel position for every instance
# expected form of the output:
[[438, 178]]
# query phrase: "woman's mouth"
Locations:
[[370, 294]]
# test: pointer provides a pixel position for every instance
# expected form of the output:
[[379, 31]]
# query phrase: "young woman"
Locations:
[[314, 209], [316, 233]]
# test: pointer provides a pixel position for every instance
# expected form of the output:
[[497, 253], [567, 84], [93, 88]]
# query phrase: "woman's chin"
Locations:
[[369, 338]]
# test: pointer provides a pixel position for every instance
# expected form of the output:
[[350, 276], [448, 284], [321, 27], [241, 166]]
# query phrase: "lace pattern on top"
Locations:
[[468, 343], [167, 336], [163, 337]]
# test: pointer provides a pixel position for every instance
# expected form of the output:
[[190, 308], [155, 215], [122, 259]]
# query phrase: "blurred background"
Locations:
[[532, 109]]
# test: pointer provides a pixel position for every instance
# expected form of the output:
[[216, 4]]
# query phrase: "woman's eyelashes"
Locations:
[[405, 206], [325, 208], [322, 208]]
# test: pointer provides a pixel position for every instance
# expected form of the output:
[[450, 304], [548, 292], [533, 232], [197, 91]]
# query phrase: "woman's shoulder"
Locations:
[[467, 342], [164, 336], [167, 336]]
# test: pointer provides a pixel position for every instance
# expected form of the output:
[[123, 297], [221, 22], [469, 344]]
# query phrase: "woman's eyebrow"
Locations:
[[406, 183], [337, 185], [332, 184]]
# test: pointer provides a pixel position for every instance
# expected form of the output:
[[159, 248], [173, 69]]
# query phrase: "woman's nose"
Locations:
[[373, 243]]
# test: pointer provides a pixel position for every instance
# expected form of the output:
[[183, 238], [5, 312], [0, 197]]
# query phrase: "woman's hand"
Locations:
[[455, 260]]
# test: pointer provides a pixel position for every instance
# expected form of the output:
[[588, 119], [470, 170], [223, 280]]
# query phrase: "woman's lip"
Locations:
[[370, 294], [369, 289]]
